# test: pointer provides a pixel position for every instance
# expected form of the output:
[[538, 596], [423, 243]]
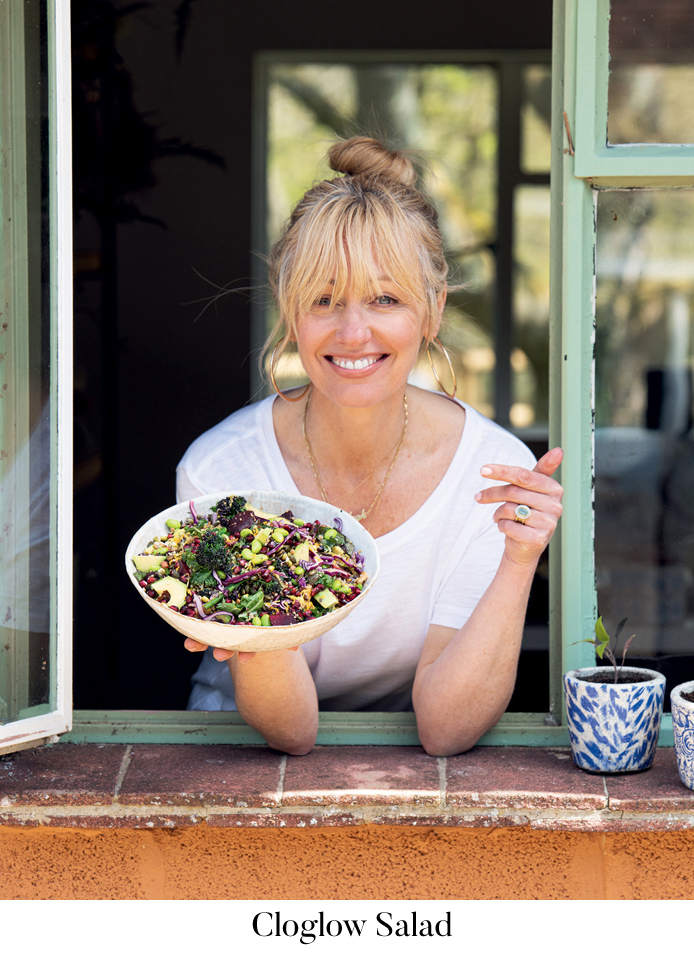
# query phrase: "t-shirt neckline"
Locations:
[[278, 467]]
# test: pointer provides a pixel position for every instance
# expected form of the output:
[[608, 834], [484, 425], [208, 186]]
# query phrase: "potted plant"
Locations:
[[682, 706], [613, 711]]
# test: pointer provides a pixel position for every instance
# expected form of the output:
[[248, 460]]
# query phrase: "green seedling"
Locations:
[[602, 642]]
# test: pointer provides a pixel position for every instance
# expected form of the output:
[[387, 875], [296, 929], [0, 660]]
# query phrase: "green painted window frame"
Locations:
[[616, 165], [45, 721], [588, 165]]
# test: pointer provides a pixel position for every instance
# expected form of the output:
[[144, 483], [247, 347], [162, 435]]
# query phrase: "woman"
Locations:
[[360, 279]]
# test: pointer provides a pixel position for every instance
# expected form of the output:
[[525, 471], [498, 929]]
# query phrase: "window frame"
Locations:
[[581, 161], [56, 717]]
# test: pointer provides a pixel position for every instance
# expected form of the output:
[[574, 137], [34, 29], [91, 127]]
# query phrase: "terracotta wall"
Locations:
[[358, 862]]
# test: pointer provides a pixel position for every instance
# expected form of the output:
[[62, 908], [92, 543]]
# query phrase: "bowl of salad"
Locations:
[[252, 570]]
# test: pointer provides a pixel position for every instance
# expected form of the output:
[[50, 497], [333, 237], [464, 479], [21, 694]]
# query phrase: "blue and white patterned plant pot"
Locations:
[[683, 729], [613, 727]]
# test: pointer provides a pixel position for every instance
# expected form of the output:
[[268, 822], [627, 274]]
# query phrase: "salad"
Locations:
[[239, 565]]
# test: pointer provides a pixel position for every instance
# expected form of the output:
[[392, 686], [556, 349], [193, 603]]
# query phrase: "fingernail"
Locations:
[[478, 496], [486, 470]]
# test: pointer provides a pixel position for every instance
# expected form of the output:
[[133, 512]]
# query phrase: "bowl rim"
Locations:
[[580, 673], [676, 695]]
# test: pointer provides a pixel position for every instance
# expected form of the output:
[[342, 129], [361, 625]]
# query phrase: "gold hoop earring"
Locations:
[[443, 348], [297, 398]]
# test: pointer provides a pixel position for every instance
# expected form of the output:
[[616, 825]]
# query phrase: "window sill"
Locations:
[[162, 785]]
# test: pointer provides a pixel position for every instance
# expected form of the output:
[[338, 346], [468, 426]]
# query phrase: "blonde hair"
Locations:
[[349, 229]]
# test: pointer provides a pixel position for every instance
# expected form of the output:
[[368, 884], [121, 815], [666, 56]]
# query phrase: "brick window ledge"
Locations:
[[182, 785]]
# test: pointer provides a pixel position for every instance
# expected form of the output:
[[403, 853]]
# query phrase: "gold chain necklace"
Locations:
[[362, 515]]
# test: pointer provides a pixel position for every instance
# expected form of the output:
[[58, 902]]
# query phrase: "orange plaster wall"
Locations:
[[361, 862]]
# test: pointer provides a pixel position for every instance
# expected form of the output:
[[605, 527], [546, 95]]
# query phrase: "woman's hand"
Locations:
[[219, 653], [526, 541]]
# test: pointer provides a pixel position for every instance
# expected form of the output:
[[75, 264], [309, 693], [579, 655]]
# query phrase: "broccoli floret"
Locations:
[[212, 553], [229, 507]]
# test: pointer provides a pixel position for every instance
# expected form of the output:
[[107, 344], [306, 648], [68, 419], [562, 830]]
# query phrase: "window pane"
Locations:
[[25, 424], [644, 437], [535, 119], [651, 72]]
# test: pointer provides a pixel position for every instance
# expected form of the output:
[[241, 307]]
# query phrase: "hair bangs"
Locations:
[[354, 246]]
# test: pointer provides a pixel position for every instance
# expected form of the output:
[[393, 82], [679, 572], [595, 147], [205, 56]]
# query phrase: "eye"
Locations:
[[385, 299], [322, 302]]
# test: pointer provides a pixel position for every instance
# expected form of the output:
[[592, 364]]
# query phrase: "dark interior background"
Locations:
[[162, 116]]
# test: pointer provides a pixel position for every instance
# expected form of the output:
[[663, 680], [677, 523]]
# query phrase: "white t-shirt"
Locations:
[[434, 567]]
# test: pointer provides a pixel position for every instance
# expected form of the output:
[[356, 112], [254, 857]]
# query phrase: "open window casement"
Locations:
[[624, 350], [35, 374]]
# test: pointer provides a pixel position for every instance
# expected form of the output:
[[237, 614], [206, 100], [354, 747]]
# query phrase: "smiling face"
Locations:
[[358, 346]]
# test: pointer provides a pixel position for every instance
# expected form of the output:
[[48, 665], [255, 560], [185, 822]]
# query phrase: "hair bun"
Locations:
[[364, 156]]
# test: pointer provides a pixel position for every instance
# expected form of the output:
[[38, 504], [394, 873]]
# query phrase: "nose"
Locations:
[[353, 327]]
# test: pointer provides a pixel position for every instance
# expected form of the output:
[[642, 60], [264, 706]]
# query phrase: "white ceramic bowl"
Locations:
[[249, 637]]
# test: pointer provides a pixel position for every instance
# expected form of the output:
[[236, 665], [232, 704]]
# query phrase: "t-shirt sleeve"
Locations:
[[473, 570], [469, 578], [185, 486]]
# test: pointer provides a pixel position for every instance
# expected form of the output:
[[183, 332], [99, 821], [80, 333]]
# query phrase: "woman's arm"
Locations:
[[275, 694], [465, 678]]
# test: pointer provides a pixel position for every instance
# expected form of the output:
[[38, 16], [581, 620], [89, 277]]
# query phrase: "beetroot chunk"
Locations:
[[282, 619]]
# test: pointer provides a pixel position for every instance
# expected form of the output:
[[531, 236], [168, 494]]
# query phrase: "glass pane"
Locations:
[[25, 423], [536, 119], [644, 446], [530, 355], [651, 73], [419, 107]]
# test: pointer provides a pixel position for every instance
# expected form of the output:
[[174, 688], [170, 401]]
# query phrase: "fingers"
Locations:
[[218, 653], [535, 487], [549, 462], [515, 495], [540, 519]]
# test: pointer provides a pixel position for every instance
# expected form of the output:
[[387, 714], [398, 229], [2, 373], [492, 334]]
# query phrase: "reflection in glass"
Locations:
[[644, 443], [651, 73], [25, 427]]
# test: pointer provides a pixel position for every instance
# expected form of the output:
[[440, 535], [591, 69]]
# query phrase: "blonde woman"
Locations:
[[360, 280]]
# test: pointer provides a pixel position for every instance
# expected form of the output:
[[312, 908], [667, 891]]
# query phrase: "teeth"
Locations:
[[358, 364]]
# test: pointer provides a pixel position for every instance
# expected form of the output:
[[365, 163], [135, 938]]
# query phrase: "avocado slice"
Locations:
[[326, 599], [301, 552], [148, 562], [177, 590]]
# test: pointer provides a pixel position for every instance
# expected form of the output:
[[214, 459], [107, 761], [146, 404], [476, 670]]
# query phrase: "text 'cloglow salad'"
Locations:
[[237, 565]]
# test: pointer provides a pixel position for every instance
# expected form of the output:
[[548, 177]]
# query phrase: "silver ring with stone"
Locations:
[[521, 513]]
